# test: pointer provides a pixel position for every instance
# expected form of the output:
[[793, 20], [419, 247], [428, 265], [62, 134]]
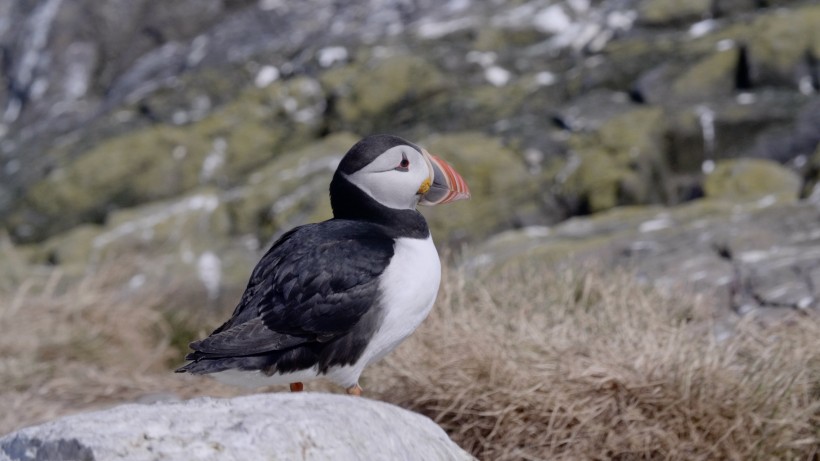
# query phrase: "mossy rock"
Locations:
[[503, 192], [178, 236], [711, 77], [628, 59], [146, 165], [14, 265], [777, 43], [812, 175], [382, 94], [730, 7], [200, 217], [751, 179], [576, 236], [501, 39], [70, 249], [193, 95], [289, 190], [663, 12], [486, 103], [780, 41], [162, 161], [263, 122], [622, 163]]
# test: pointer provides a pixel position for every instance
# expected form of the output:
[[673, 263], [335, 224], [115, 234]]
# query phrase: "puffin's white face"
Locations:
[[397, 178]]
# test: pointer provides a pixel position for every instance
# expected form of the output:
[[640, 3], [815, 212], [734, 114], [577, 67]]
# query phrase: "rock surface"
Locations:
[[193, 135], [755, 257], [267, 426], [606, 103]]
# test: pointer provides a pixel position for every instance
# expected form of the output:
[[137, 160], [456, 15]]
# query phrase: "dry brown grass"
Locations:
[[86, 346], [580, 366], [528, 364]]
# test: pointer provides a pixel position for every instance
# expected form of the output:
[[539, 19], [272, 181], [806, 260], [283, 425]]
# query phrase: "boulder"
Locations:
[[265, 426]]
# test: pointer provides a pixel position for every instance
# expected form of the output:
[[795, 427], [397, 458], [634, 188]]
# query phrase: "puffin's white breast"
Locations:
[[409, 287]]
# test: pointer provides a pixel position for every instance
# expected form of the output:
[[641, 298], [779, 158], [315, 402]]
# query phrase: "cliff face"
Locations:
[[589, 105]]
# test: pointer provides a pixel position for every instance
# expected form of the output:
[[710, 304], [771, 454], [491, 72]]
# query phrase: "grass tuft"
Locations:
[[583, 366]]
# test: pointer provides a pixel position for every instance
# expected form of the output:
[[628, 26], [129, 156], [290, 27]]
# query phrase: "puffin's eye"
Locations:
[[404, 164]]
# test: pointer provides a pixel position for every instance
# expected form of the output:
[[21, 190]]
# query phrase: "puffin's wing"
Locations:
[[322, 282], [313, 285]]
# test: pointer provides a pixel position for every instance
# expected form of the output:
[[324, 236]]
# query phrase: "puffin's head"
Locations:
[[399, 174]]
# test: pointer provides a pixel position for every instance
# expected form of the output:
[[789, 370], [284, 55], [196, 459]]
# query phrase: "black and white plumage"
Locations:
[[332, 297]]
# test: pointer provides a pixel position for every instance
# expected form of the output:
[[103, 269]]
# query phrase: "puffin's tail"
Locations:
[[187, 368], [203, 364], [195, 366]]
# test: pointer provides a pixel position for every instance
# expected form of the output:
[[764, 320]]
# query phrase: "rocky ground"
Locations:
[[217, 124], [677, 140]]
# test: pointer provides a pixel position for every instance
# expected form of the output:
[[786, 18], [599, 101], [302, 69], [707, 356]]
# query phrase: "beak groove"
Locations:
[[446, 184]]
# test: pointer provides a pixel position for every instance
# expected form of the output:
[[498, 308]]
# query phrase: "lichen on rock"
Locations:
[[752, 179]]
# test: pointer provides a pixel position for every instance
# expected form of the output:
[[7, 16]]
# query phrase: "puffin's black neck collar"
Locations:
[[350, 202]]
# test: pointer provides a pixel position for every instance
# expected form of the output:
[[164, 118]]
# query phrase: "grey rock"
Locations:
[[730, 76], [752, 257], [266, 426]]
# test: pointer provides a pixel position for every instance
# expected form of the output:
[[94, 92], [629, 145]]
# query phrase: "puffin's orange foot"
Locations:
[[354, 390], [297, 387]]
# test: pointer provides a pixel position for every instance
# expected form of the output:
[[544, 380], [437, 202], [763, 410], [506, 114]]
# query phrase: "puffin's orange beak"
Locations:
[[444, 185]]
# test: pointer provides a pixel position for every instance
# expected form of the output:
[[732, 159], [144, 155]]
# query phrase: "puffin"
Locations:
[[330, 298]]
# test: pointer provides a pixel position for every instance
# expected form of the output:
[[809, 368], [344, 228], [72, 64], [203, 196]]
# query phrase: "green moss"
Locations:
[[781, 39], [486, 102], [71, 248], [368, 95], [14, 267], [751, 179], [163, 161], [777, 41], [622, 163], [218, 86], [670, 11], [500, 39], [598, 177], [127, 170], [289, 190], [575, 237], [710, 77], [502, 190]]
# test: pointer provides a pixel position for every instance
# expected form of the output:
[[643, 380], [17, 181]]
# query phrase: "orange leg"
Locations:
[[354, 390], [297, 387]]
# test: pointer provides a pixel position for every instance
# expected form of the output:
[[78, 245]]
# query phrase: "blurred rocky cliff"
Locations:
[[202, 129]]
